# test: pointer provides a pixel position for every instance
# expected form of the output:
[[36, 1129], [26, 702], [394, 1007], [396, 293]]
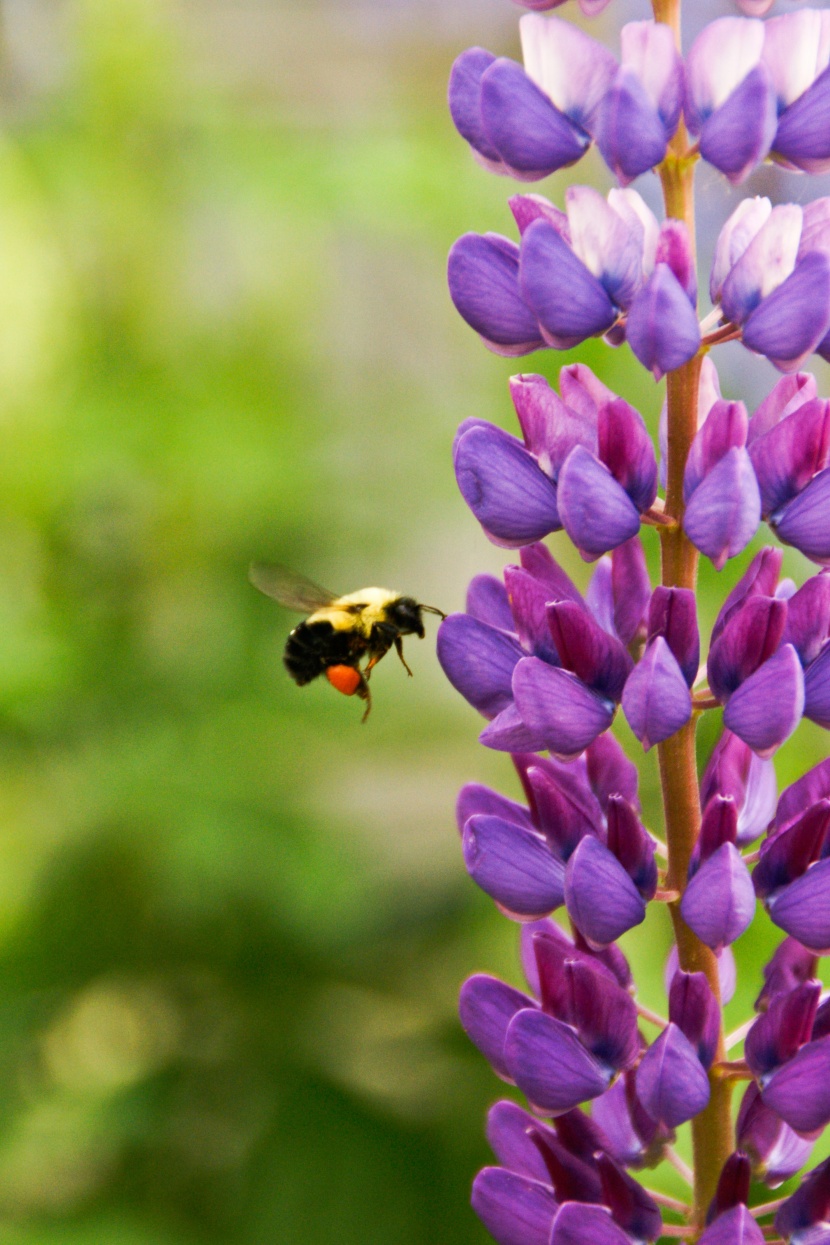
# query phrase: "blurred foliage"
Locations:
[[232, 920]]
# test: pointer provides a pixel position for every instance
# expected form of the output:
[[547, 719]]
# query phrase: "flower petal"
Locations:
[[483, 275], [725, 510], [671, 1082], [799, 1091], [597, 513], [532, 137], [601, 898], [718, 903], [766, 709], [793, 319], [802, 909], [567, 300], [478, 660], [514, 1209], [514, 865], [558, 707], [662, 327], [803, 523], [549, 1063], [486, 1006], [507, 491]]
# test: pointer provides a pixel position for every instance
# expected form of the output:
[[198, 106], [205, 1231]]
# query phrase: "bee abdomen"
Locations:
[[312, 647]]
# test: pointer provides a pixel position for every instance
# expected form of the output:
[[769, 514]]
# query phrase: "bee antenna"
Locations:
[[432, 609]]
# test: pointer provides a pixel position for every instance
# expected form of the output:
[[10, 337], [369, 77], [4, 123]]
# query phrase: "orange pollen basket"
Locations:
[[345, 678]]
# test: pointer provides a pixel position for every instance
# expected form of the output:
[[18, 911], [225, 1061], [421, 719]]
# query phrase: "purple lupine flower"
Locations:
[[776, 1150], [640, 109], [734, 770], [656, 699], [730, 99], [771, 276], [792, 1069], [719, 901], [590, 8], [797, 55], [515, 1209], [792, 875], [661, 325], [804, 1215], [512, 126], [723, 504]]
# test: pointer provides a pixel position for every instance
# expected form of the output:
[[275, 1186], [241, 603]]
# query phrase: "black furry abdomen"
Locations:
[[312, 647]]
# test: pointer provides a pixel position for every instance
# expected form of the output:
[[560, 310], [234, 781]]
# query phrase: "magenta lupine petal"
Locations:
[[791, 965], [610, 772], [558, 707], [674, 249], [794, 318], [661, 327], [672, 614], [802, 909], [626, 449], [566, 299], [739, 134], [766, 709], [475, 799], [507, 1129], [759, 579], [527, 208], [749, 639], [565, 810], [719, 901], [785, 397], [478, 660], [808, 618], [573, 69], [776, 1151], [694, 1009], [507, 491], [597, 513], [514, 1209], [671, 1082], [724, 428], [800, 795], [573, 1178], [583, 391], [733, 1227], [486, 1007], [779, 1033], [734, 770], [788, 854], [725, 510], [582, 990], [632, 1208], [727, 972], [630, 588], [538, 561], [656, 699], [513, 865], [589, 652], [550, 428], [788, 456], [487, 602], [719, 825], [549, 1063], [531, 136], [483, 276], [633, 847], [601, 898], [803, 523], [732, 1188], [528, 604], [799, 1091], [629, 131]]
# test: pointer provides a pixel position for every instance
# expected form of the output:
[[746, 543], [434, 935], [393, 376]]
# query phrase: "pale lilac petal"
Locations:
[[796, 51], [606, 242], [648, 49], [573, 69], [719, 901], [767, 260], [483, 276], [725, 510], [786, 396], [671, 1082], [514, 865], [596, 511], [718, 60], [601, 898], [742, 226], [514, 1209], [486, 1006], [478, 660], [549, 1063], [656, 699], [766, 709], [557, 706]]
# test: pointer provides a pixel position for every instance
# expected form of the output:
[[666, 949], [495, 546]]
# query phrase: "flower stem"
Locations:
[[712, 1127]]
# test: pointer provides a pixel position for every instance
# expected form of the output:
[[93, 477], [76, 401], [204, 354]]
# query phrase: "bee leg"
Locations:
[[399, 650], [364, 694]]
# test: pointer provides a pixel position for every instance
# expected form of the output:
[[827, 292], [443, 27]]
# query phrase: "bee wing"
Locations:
[[290, 589]]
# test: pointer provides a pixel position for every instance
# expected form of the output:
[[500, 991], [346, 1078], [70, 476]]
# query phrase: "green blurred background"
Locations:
[[233, 921]]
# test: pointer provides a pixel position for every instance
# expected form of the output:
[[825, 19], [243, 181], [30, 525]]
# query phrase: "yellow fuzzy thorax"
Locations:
[[375, 602]]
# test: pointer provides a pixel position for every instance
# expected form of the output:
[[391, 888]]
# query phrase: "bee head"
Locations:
[[405, 613]]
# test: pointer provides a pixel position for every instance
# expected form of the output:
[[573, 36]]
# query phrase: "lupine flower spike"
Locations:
[[599, 1084]]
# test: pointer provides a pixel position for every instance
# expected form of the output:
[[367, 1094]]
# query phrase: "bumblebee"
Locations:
[[340, 631]]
